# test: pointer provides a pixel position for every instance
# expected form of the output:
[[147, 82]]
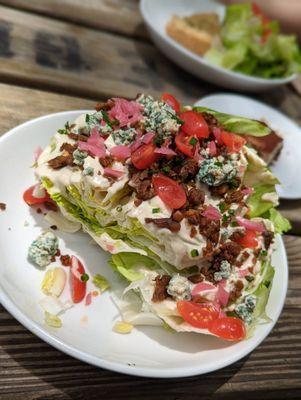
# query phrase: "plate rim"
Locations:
[[149, 372], [232, 74]]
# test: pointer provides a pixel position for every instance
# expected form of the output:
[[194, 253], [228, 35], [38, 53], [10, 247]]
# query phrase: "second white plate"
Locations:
[[286, 167]]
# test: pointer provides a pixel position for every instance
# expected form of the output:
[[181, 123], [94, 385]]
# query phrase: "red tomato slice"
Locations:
[[78, 287], [229, 328], [183, 144], [171, 101], [169, 191], [249, 240], [144, 156], [194, 124], [31, 200], [199, 315], [233, 142]]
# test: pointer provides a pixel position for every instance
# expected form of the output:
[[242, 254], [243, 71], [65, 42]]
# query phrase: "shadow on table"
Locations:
[[59, 376]]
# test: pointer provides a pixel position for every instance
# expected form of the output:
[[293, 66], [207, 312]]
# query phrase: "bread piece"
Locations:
[[196, 32]]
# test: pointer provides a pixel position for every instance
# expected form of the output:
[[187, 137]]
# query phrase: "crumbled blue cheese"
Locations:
[[245, 309], [124, 136], [179, 288], [43, 248], [79, 157], [213, 172], [98, 119], [224, 273], [88, 171], [158, 116]]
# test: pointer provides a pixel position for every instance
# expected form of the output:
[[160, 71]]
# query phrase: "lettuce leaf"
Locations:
[[237, 124], [127, 263], [281, 223], [258, 206], [247, 48]]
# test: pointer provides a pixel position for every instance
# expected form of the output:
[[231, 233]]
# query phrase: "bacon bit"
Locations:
[[165, 151], [94, 145], [77, 137], [2, 206], [137, 202], [65, 260], [61, 161], [88, 300], [167, 223], [196, 278], [120, 152], [38, 151], [211, 213], [148, 137], [126, 112], [102, 106], [212, 148], [160, 292], [95, 293], [54, 227], [193, 232], [112, 173], [68, 147], [39, 211], [177, 216]]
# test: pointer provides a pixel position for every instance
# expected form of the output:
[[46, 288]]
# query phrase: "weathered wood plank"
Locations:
[[31, 369], [120, 16], [18, 105], [59, 56]]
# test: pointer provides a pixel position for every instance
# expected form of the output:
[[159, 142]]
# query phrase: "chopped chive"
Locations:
[[194, 253], [166, 169], [193, 141], [87, 119], [219, 164], [62, 131], [263, 253], [106, 118], [157, 140], [234, 223], [225, 218], [156, 210], [84, 277], [231, 212], [222, 207]]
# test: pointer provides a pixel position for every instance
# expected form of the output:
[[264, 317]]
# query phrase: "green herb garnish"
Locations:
[[166, 169], [193, 141], [156, 210], [84, 277], [194, 253]]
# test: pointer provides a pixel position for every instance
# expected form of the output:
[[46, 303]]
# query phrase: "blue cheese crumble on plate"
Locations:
[[43, 248]]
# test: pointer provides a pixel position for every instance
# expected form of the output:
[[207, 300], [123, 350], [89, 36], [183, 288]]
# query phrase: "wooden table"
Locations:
[[64, 54]]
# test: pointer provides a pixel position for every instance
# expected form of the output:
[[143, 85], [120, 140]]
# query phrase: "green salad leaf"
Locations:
[[258, 206], [252, 45], [127, 263], [237, 124], [281, 223]]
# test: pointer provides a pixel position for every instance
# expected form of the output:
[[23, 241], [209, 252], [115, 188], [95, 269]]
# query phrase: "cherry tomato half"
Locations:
[[169, 191], [29, 198], [77, 286], [198, 315], [249, 240], [194, 124], [144, 156], [233, 142], [229, 328], [171, 101], [183, 143]]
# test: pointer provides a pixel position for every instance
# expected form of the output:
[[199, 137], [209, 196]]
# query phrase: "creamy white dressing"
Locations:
[[272, 197]]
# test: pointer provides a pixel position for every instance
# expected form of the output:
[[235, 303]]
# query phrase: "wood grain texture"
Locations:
[[18, 105], [31, 369], [59, 56], [121, 16]]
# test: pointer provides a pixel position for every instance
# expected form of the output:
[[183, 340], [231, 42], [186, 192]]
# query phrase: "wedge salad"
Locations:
[[184, 206]]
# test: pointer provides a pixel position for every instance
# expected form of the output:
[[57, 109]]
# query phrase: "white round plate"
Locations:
[[87, 331], [156, 14], [285, 166]]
